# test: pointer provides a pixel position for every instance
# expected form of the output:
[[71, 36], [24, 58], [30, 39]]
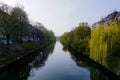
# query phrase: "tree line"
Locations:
[[15, 24], [77, 38], [97, 42], [100, 43]]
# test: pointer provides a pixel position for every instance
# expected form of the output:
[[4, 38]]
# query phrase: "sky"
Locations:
[[64, 15]]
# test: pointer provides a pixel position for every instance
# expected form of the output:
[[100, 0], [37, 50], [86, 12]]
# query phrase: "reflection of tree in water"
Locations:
[[96, 72], [39, 60], [65, 48], [21, 69], [113, 64], [51, 48]]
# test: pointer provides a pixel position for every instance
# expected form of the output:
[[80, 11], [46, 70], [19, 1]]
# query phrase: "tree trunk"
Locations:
[[21, 34], [8, 38]]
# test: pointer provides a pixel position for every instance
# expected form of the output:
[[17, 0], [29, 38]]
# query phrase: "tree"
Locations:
[[105, 42], [19, 14], [65, 39], [6, 26], [83, 31], [78, 38]]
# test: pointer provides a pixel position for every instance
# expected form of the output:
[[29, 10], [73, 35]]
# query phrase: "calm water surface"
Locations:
[[52, 63]]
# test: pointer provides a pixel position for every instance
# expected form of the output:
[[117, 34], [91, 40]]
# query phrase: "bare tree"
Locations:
[[19, 14], [5, 22]]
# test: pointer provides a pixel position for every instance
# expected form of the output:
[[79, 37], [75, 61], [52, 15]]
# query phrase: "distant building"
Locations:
[[2, 36], [114, 16], [3, 39]]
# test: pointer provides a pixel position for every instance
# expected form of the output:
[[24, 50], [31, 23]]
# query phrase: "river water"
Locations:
[[52, 63]]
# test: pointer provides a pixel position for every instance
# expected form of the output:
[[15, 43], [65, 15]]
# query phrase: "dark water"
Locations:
[[52, 63]]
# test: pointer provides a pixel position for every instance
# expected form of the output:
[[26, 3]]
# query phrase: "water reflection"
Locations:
[[96, 72], [23, 68], [112, 63], [50, 64]]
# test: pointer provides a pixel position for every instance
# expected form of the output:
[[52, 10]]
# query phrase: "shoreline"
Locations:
[[98, 64], [22, 56]]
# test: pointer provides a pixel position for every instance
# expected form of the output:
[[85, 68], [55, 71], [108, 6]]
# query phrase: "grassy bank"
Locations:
[[11, 53]]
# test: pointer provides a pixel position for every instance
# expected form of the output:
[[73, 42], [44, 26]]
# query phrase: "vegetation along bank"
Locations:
[[19, 36], [101, 42]]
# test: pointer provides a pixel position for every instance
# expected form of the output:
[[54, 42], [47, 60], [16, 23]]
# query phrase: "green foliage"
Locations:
[[65, 39], [5, 25], [82, 32], [98, 45], [77, 38], [116, 45], [31, 46], [104, 42], [82, 46]]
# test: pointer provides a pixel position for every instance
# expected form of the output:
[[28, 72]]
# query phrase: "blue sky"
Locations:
[[64, 15]]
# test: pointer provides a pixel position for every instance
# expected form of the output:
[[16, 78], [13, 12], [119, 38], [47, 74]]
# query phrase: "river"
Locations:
[[52, 63]]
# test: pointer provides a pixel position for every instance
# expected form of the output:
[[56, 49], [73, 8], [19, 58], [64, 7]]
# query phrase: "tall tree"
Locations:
[[82, 31], [19, 14], [6, 27]]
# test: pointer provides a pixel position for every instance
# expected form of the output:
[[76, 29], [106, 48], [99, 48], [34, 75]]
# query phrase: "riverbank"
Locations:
[[109, 66], [100, 43], [56, 64], [12, 53], [91, 63]]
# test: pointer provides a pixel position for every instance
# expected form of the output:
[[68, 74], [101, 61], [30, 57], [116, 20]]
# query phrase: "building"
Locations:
[[3, 39]]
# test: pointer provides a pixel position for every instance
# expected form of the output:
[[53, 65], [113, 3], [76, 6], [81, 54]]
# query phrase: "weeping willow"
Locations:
[[103, 41]]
